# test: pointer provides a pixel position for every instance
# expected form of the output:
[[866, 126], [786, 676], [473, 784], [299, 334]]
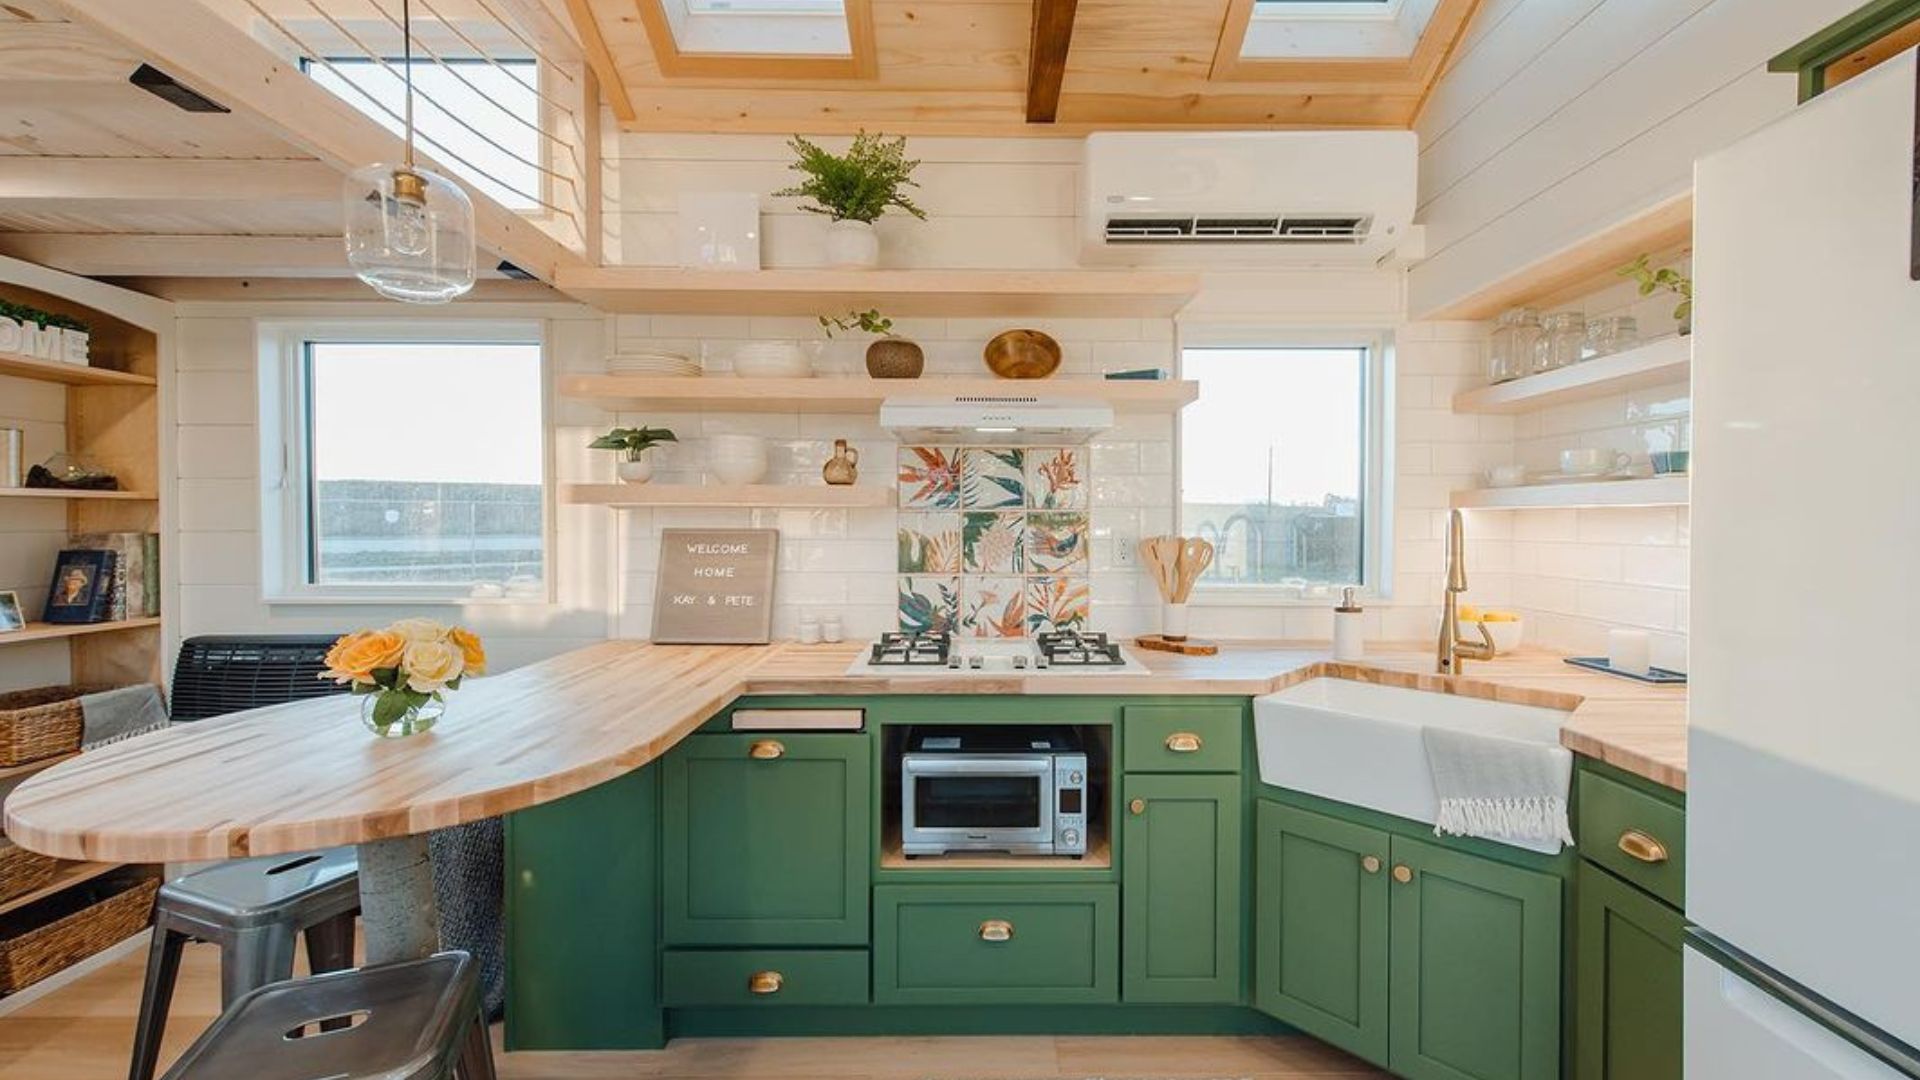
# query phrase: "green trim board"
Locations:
[[1811, 57]]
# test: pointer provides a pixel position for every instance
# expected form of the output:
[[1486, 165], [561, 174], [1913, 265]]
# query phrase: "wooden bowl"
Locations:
[[1023, 354]]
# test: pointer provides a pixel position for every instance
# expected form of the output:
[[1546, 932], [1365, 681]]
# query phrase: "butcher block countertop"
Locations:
[[307, 775]]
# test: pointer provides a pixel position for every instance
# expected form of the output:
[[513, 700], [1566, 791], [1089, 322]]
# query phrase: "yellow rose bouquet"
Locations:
[[403, 672]]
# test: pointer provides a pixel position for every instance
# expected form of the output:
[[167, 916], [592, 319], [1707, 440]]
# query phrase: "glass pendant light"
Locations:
[[409, 231]]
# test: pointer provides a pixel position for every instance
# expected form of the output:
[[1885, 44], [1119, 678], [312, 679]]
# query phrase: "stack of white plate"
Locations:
[[653, 363], [772, 360]]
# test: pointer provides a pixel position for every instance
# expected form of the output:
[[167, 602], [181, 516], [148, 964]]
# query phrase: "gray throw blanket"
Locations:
[[1500, 789], [113, 715]]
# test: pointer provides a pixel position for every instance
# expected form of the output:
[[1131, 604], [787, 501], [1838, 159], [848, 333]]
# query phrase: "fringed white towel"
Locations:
[[113, 715], [1500, 789]]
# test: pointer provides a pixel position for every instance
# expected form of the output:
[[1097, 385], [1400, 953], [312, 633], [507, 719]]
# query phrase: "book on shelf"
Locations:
[[82, 589], [135, 591]]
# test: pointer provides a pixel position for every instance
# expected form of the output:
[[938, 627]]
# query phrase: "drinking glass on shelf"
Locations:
[[1563, 337], [1610, 334], [1510, 351]]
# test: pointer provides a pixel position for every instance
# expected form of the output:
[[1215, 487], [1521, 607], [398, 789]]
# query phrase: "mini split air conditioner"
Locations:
[[1248, 198]]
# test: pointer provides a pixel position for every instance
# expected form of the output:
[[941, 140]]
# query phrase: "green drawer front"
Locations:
[[782, 977], [1609, 811], [931, 944], [1153, 731]]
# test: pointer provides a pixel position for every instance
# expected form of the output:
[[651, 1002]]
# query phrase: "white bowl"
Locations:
[[772, 360], [738, 472]]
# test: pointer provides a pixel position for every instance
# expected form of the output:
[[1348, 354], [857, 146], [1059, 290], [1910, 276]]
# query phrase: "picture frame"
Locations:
[[12, 617], [82, 587], [715, 587]]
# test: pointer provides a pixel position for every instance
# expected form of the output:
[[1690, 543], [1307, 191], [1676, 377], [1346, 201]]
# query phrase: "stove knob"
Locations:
[[953, 662], [1020, 662], [976, 663], [1074, 778], [1070, 837]]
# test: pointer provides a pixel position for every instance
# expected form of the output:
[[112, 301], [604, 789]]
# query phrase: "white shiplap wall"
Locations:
[[1561, 117]]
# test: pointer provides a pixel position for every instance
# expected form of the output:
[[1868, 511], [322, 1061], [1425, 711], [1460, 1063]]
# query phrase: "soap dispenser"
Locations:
[[1349, 636]]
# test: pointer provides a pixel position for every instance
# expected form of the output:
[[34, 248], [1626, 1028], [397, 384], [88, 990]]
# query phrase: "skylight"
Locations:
[[759, 27], [774, 7], [1324, 29]]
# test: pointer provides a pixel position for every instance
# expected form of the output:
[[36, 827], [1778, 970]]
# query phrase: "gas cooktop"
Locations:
[[1065, 652]]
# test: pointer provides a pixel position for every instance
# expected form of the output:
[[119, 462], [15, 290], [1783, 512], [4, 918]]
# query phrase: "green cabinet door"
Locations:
[[767, 840], [1627, 994], [1320, 927], [1476, 967], [1180, 889]]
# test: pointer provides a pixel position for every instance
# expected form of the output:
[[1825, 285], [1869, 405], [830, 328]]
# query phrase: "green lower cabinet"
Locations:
[[1180, 889], [764, 978], [996, 944], [1475, 986], [1628, 995], [767, 840], [1320, 927]]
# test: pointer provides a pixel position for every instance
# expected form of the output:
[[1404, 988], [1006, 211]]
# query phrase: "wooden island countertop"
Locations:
[[306, 775]]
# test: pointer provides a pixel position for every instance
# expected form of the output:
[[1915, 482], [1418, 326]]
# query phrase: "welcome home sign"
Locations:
[[715, 587], [55, 343]]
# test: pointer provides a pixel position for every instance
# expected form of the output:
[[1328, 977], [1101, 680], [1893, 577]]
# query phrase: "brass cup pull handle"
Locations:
[[766, 749], [1183, 742], [1638, 845], [1403, 873], [1138, 806], [996, 930], [1370, 863], [765, 982]]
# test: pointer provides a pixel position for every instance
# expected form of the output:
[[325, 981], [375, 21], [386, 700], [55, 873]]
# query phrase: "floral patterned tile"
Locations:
[[992, 478], [929, 543], [929, 604], [1057, 478], [1057, 603], [929, 478], [990, 542], [993, 607], [1055, 542]]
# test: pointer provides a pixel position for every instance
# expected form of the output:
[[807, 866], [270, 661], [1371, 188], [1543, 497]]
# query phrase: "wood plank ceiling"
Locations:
[[962, 67]]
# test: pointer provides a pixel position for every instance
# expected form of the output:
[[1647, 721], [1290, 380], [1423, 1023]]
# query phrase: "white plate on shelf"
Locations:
[[1597, 476]]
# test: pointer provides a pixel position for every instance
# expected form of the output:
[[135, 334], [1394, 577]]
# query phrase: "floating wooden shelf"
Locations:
[[69, 875], [40, 631], [953, 293], [769, 496], [1657, 491], [28, 367], [1663, 361], [75, 493], [724, 393]]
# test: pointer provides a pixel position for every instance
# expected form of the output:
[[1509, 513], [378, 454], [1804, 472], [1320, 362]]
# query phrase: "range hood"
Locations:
[[995, 419]]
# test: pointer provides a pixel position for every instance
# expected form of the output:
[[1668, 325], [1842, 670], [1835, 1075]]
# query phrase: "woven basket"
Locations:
[[22, 871], [40, 723], [86, 919]]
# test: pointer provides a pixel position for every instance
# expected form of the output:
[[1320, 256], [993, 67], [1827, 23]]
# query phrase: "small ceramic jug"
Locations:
[[844, 466]]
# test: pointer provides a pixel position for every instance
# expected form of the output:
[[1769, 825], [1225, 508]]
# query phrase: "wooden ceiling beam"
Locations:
[[60, 52], [194, 44], [144, 255], [27, 181], [1047, 58]]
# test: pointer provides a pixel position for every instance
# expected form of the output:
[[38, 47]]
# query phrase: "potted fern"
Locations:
[[853, 190], [889, 356], [634, 466]]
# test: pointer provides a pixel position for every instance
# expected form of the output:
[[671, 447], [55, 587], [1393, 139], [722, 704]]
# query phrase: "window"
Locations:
[[1279, 464], [1318, 29], [479, 118], [415, 465]]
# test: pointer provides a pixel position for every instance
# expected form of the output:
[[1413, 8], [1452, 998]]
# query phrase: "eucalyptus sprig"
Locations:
[[633, 440], [870, 320], [1667, 278], [859, 186]]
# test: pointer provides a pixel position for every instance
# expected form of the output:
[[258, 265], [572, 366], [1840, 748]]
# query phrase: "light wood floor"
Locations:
[[83, 1031]]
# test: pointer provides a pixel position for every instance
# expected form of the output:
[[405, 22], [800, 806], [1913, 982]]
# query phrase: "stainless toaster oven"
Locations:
[[1015, 788]]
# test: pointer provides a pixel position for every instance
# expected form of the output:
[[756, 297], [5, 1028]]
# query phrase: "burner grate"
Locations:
[[911, 650]]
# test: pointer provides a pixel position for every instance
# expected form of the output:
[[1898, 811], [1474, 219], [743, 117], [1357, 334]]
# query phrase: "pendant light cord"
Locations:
[[406, 54]]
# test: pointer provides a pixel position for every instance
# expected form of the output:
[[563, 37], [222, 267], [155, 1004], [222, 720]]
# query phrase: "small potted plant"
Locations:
[[634, 466], [1668, 279], [854, 190], [889, 357]]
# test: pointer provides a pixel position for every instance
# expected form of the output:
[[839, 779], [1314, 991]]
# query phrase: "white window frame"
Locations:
[[1377, 459], [285, 510]]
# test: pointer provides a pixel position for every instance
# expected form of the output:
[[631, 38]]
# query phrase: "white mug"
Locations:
[[809, 631], [1630, 651], [1588, 460], [830, 630]]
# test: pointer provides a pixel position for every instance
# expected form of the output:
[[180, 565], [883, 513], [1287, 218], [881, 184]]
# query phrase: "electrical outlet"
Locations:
[[1125, 551]]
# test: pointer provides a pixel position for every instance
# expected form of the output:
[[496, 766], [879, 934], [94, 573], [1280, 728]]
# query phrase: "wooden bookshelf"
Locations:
[[759, 496], [42, 631], [725, 393], [76, 493], [1136, 294], [28, 367], [69, 875]]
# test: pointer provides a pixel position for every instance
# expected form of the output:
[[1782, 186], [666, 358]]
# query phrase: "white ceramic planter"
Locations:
[[635, 470], [852, 245]]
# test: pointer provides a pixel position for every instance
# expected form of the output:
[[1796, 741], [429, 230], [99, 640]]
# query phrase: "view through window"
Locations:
[[1273, 464], [425, 464]]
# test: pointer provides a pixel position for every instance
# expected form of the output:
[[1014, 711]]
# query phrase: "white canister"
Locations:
[[830, 630], [1349, 630], [852, 245], [1173, 621], [1629, 651], [809, 631]]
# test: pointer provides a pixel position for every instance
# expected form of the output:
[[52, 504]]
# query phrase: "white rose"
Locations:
[[420, 630], [431, 665]]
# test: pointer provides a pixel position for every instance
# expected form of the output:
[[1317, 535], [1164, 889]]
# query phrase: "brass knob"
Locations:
[[1183, 742], [996, 930], [1370, 863], [766, 749], [1639, 845], [1138, 806], [1403, 873], [765, 982]]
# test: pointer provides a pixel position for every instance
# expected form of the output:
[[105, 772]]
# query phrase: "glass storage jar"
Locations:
[[1610, 334], [1510, 352], [1563, 336]]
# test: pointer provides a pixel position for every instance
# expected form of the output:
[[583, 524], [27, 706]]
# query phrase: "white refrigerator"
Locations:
[[1803, 816]]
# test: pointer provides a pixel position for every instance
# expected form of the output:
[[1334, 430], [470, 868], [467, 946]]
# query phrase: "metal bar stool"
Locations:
[[253, 909], [418, 1020]]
